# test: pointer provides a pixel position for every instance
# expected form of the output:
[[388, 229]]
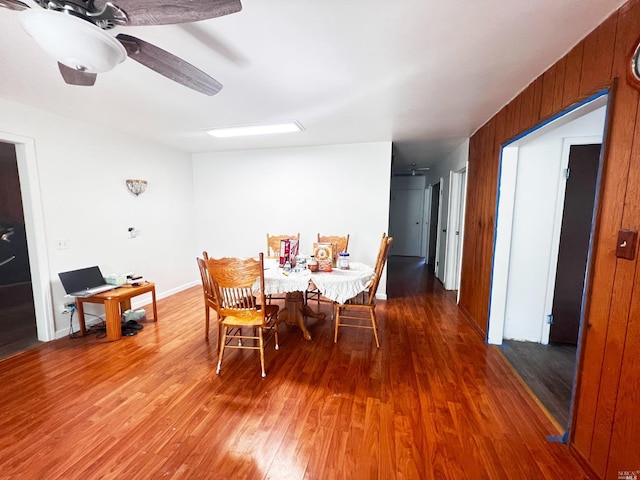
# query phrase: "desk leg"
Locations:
[[112, 319], [80, 310], [125, 305], [153, 302]]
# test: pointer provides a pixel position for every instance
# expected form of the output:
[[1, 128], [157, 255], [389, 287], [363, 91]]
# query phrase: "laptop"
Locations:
[[84, 282]]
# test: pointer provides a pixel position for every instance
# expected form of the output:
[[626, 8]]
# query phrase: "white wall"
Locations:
[[454, 162], [333, 190], [75, 174], [82, 197]]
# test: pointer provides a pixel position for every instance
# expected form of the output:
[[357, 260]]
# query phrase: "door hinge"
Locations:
[[566, 173], [549, 319]]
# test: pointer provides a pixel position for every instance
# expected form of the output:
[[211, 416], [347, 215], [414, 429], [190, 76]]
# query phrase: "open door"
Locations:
[[573, 250]]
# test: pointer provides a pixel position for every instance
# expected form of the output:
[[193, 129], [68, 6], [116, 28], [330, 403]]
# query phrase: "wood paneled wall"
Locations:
[[606, 429]]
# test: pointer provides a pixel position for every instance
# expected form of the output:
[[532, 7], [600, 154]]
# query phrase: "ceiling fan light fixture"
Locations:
[[74, 42], [264, 129]]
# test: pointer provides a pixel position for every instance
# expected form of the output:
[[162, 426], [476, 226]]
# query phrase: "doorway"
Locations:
[[18, 329], [23, 148], [433, 226], [406, 219], [534, 210]]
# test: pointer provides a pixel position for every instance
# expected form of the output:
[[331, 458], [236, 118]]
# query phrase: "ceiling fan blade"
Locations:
[[169, 12], [169, 65], [14, 5], [76, 77]]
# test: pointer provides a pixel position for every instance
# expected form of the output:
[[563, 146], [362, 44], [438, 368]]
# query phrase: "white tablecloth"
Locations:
[[337, 285], [341, 285], [275, 280]]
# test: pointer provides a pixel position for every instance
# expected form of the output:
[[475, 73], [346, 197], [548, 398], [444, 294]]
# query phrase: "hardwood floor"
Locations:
[[434, 402], [548, 370]]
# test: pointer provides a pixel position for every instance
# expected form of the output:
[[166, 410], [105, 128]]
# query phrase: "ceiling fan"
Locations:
[[414, 171], [73, 32]]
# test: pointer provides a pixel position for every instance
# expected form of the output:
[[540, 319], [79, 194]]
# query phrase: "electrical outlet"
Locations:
[[68, 307]]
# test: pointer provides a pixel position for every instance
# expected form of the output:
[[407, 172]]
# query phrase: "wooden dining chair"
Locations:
[[380, 250], [273, 244], [239, 306], [210, 301], [342, 245], [273, 251], [360, 311], [379, 256]]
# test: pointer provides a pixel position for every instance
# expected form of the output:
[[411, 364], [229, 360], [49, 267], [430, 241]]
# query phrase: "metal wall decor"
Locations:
[[136, 186]]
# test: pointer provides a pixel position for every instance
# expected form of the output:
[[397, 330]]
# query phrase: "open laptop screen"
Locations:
[[83, 279]]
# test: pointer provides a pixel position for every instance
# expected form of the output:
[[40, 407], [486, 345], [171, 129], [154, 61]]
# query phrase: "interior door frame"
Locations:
[[35, 231], [505, 210]]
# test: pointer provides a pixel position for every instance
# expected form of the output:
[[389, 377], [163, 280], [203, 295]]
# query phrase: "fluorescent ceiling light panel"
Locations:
[[265, 129]]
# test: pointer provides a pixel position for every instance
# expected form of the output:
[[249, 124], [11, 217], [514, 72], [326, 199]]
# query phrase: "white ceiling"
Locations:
[[424, 74]]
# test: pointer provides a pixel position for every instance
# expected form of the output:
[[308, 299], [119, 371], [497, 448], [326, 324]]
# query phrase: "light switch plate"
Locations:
[[627, 244]]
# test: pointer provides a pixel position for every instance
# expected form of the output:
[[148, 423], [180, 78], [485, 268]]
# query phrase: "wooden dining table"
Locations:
[[337, 285]]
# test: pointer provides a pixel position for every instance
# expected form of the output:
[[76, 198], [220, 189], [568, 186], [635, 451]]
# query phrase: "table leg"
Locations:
[[295, 311], [80, 310], [112, 319], [307, 312]]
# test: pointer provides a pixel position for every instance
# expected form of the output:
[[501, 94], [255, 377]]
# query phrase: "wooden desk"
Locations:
[[115, 302]]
